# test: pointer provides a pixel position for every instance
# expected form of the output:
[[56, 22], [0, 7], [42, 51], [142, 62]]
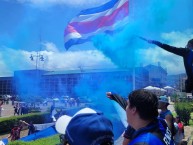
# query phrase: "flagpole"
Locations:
[[133, 74]]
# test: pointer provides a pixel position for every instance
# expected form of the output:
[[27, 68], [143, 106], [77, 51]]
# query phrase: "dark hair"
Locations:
[[145, 102], [190, 41], [178, 118]]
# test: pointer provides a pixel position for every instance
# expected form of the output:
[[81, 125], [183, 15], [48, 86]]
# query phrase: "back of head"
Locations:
[[145, 102], [89, 129], [178, 118], [190, 44]]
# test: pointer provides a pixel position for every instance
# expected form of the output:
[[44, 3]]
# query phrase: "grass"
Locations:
[[53, 140]]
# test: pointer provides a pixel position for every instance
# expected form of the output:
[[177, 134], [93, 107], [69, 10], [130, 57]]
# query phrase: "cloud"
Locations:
[[50, 46], [87, 59], [12, 60], [178, 38]]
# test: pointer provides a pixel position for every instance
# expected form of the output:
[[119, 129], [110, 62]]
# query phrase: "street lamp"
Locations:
[[38, 57], [37, 73]]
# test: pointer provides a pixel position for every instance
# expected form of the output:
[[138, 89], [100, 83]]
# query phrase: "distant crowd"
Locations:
[[21, 109]]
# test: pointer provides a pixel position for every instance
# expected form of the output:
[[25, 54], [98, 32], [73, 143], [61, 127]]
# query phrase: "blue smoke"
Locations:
[[147, 19]]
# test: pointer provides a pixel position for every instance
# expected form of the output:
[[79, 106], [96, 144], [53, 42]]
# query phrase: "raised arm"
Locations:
[[9, 135], [121, 101], [172, 49], [24, 122]]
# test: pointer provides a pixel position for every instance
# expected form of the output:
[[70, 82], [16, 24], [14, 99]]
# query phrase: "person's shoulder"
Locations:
[[168, 113], [169, 116], [147, 138]]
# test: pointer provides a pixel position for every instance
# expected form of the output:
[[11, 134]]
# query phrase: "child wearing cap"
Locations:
[[180, 134], [15, 132]]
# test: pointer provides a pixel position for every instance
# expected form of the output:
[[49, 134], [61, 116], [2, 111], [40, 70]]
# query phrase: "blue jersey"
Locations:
[[164, 114], [157, 132]]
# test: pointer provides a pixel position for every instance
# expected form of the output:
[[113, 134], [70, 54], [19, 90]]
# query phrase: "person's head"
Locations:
[[86, 127], [190, 44], [31, 122], [163, 102], [142, 105], [178, 119]]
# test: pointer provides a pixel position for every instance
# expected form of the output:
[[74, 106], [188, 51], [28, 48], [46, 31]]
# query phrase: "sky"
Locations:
[[31, 26]]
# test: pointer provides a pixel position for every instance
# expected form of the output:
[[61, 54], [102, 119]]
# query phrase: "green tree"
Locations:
[[183, 109]]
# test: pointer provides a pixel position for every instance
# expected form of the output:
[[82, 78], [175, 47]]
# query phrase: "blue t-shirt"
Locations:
[[157, 132], [164, 114]]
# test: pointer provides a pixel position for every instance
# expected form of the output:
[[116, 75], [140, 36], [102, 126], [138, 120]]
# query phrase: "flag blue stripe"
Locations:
[[99, 9], [76, 41], [71, 42]]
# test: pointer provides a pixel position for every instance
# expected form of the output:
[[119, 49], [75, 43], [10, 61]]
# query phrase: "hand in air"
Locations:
[[109, 95]]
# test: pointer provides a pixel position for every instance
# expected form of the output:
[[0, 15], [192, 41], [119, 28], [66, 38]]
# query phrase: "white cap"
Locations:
[[63, 121]]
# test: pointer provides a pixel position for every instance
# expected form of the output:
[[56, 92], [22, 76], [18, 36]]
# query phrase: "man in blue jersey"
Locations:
[[142, 113]]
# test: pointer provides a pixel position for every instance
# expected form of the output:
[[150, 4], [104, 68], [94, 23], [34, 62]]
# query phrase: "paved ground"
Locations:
[[7, 110], [171, 107]]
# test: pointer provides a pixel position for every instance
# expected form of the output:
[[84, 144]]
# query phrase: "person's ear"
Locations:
[[134, 110]]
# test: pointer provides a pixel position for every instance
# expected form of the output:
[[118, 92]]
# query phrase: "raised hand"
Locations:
[[109, 95]]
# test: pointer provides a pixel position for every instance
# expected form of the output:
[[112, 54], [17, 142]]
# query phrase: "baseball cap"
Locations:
[[86, 127], [163, 99]]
